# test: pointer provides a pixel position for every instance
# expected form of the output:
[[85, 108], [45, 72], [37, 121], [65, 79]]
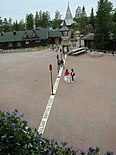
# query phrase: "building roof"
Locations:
[[89, 29], [16, 36], [9, 36], [64, 28], [54, 34], [89, 36], [68, 18]]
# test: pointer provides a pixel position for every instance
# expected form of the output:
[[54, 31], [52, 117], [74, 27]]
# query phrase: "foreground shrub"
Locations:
[[17, 138]]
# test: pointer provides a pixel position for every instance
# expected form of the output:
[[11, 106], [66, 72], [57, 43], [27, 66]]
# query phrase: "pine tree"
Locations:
[[29, 21], [78, 12], [81, 19], [15, 26], [103, 24], [57, 20], [36, 19], [92, 18], [42, 19], [114, 25], [21, 25], [5, 25]]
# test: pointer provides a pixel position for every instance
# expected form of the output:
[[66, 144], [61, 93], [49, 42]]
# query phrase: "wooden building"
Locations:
[[68, 18], [88, 40], [28, 38], [66, 30]]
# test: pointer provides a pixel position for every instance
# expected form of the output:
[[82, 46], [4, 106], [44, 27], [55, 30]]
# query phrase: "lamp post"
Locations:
[[50, 68], [58, 62]]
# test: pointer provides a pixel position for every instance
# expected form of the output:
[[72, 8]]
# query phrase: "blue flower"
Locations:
[[68, 148], [53, 140], [4, 136], [36, 144], [13, 125], [46, 149], [37, 135], [64, 143], [82, 152], [40, 139], [109, 153], [46, 138], [25, 122], [15, 112], [75, 153], [91, 149], [4, 118]]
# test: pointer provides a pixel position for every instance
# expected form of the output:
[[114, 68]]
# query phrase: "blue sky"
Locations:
[[17, 9]]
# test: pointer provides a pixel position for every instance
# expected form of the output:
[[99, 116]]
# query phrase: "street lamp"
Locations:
[[50, 68], [58, 62]]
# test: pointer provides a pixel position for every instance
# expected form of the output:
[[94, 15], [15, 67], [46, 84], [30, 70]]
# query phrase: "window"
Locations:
[[10, 45], [34, 34], [25, 35], [18, 44]]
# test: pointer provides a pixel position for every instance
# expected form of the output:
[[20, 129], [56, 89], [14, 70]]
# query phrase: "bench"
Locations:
[[79, 52], [75, 50]]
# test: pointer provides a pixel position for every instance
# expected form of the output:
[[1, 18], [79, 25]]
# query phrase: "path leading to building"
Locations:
[[48, 108], [83, 113]]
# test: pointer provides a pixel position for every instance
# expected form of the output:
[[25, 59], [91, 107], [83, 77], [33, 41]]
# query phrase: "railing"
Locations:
[[104, 51], [22, 50], [77, 51]]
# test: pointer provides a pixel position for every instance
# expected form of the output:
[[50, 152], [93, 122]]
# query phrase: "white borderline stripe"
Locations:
[[46, 114]]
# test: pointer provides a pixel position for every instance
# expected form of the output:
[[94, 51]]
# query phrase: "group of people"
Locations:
[[69, 76], [60, 64], [54, 47]]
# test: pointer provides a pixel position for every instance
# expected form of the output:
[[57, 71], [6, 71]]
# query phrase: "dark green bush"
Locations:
[[17, 138]]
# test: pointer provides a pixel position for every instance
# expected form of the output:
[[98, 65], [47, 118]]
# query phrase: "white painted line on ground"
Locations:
[[46, 114]]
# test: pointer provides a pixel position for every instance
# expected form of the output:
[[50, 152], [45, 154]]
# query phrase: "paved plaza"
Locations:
[[83, 112]]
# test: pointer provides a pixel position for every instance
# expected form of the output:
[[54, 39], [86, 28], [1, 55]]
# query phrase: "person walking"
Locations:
[[67, 76], [59, 64], [62, 63], [113, 53], [72, 75]]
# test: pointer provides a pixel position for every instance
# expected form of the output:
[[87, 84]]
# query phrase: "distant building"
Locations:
[[88, 40], [89, 29], [65, 30], [29, 38], [65, 37], [68, 18]]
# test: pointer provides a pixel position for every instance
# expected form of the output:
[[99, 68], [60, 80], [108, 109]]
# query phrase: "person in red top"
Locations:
[[67, 76]]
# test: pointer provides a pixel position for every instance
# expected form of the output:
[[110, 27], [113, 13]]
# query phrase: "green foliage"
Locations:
[[57, 20], [5, 25], [92, 18], [81, 19], [114, 25], [29, 21], [16, 26], [103, 24], [42, 19], [17, 138], [78, 12]]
